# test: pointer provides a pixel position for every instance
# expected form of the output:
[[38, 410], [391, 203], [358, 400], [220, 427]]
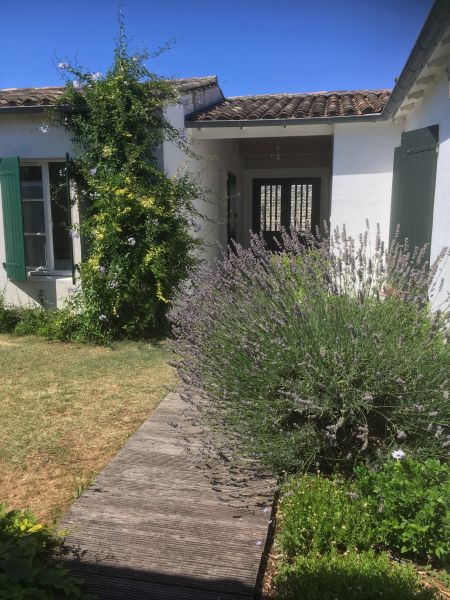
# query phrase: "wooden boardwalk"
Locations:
[[151, 526]]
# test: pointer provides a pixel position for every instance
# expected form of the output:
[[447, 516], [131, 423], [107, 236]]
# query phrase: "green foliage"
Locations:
[[9, 316], [351, 576], [318, 514], [26, 569], [63, 324], [331, 531], [313, 358], [403, 506], [135, 221], [410, 501]]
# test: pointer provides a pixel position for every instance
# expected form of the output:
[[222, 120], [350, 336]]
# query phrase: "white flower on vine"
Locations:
[[398, 454], [131, 241]]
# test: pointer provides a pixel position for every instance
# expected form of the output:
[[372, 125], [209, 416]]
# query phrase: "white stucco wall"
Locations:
[[363, 156], [434, 109], [20, 136], [212, 162]]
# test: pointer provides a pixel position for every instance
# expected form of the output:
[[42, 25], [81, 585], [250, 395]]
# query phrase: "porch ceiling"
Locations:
[[287, 145]]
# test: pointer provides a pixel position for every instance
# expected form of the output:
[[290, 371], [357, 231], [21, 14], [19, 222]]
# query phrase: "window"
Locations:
[[36, 216], [46, 218], [301, 206], [270, 196]]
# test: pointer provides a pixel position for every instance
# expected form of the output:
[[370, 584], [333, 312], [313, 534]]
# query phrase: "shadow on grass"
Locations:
[[351, 577]]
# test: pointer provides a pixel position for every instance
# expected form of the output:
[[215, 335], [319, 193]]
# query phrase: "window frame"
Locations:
[[50, 257]]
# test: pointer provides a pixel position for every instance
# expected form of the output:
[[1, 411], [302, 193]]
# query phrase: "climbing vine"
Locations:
[[135, 220]]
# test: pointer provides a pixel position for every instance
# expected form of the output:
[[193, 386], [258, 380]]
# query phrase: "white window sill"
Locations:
[[48, 274]]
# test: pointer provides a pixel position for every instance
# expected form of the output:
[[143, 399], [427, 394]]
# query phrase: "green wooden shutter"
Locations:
[[413, 186], [12, 219]]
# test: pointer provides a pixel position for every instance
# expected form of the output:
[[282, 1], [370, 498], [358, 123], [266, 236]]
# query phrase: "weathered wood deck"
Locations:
[[151, 526]]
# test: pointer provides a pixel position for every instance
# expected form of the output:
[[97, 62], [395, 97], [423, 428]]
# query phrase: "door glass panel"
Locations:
[[33, 217], [301, 207], [35, 251], [31, 183], [60, 216], [270, 196]]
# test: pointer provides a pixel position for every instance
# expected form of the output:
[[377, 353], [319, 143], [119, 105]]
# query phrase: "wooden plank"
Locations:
[[153, 525]]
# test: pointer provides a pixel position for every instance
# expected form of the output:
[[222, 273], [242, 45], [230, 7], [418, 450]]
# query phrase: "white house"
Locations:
[[266, 161]]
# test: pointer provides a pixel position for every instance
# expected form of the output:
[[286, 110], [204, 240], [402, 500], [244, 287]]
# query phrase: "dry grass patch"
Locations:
[[66, 411]]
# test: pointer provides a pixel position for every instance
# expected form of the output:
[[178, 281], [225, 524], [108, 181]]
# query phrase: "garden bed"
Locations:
[[303, 561]]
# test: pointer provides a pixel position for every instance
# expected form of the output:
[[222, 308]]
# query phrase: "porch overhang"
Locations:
[[241, 124]]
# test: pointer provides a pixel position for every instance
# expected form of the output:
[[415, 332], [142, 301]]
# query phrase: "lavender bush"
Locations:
[[325, 356]]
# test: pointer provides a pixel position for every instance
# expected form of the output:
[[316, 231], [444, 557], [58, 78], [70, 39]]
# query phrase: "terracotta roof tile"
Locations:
[[296, 106], [48, 96], [45, 96]]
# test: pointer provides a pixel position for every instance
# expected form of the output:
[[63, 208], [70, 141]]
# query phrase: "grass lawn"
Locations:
[[66, 409]]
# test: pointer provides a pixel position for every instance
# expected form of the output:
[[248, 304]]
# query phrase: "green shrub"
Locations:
[[315, 357], [350, 576], [411, 503], [9, 316], [27, 571], [318, 514], [65, 324]]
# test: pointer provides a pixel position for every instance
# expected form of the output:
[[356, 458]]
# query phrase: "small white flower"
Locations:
[[62, 65], [401, 435], [76, 83], [398, 454], [96, 76], [93, 171], [43, 128], [131, 241], [102, 318], [73, 233]]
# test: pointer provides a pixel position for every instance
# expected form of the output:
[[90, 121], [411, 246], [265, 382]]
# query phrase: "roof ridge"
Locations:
[[44, 87], [319, 93], [60, 87]]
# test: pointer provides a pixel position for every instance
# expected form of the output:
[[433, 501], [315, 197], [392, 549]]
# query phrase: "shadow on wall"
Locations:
[[43, 293]]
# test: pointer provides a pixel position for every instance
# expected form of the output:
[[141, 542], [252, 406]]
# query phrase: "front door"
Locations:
[[290, 204]]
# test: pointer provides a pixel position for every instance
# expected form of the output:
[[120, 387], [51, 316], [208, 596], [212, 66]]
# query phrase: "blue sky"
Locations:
[[254, 46]]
